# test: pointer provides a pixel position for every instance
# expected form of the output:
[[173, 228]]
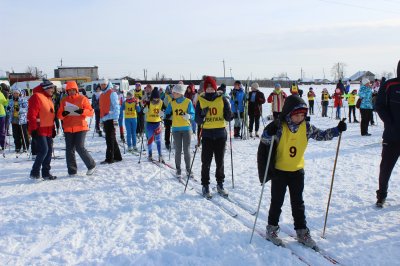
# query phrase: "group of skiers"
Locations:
[[182, 110]]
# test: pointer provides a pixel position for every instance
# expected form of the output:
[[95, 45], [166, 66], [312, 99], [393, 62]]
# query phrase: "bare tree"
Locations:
[[338, 70], [35, 72], [387, 75]]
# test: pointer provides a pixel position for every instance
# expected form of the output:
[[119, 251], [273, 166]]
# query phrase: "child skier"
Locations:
[[291, 133], [131, 108], [18, 116], [351, 99], [182, 112], [153, 112], [212, 110], [325, 102], [337, 102], [311, 97]]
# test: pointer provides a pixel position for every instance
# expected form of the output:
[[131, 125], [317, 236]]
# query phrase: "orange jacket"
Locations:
[[41, 112], [105, 103], [75, 123]]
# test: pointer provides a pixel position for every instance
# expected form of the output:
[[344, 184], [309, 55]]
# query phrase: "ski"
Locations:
[[218, 203], [238, 203]]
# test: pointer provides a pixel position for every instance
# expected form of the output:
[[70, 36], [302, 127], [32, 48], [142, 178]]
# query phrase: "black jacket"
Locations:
[[255, 107]]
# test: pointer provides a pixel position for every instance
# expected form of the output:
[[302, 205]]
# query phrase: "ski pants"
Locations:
[[279, 183], [20, 135], [112, 151], [352, 109], [212, 147], [3, 132], [76, 142], [338, 112], [365, 118], [153, 131], [254, 120], [130, 125], [324, 105], [311, 107], [44, 148], [390, 155], [97, 119], [182, 141], [167, 133]]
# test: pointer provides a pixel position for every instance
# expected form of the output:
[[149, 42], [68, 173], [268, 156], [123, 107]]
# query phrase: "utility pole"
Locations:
[[338, 71], [230, 69], [61, 61], [301, 74], [223, 63]]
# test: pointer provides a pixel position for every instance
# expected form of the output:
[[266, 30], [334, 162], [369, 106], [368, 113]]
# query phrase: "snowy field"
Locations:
[[137, 214]]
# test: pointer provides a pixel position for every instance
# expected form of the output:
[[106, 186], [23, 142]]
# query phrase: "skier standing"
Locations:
[[96, 107], [182, 112], [338, 102], [18, 116], [75, 128], [325, 102], [311, 98], [351, 99], [256, 100], [167, 120], [366, 107], [277, 99], [131, 108], [3, 103], [291, 133], [212, 110], [237, 106]]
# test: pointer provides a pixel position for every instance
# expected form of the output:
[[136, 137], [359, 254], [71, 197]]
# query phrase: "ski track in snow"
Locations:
[[137, 214]]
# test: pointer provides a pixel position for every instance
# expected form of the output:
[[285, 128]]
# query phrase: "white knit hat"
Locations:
[[255, 86], [179, 88], [365, 81]]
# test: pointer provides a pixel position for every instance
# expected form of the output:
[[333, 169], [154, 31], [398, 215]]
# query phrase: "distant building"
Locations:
[[360, 75], [63, 72], [17, 77], [228, 81]]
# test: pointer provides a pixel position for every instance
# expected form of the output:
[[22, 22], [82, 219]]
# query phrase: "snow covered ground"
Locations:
[[137, 214]]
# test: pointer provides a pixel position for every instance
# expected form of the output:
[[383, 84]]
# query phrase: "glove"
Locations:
[[342, 126], [115, 122], [8, 108], [79, 111], [16, 109], [204, 112], [53, 133], [65, 113], [161, 114], [145, 110], [34, 133], [186, 116], [272, 128], [102, 125], [236, 103]]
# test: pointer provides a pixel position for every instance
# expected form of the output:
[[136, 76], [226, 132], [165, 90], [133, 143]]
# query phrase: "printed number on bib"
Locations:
[[179, 112], [213, 111], [293, 151], [156, 110]]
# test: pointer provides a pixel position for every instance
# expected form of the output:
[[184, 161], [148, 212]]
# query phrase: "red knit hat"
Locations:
[[299, 111], [209, 81]]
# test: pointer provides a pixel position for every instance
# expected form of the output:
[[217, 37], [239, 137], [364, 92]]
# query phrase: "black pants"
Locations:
[[112, 152], [20, 134], [254, 120], [44, 148], [352, 109], [140, 123], [76, 142], [212, 147], [390, 155], [295, 182], [311, 107], [97, 120], [365, 118], [324, 105], [167, 136]]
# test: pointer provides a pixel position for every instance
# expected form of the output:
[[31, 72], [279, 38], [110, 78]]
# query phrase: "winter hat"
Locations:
[[116, 87], [300, 110], [104, 81], [16, 90], [291, 105], [209, 81], [354, 91], [238, 82], [179, 88], [71, 85], [47, 84], [277, 85], [365, 81], [310, 88], [325, 90], [155, 94], [337, 90], [129, 93], [255, 86], [222, 88]]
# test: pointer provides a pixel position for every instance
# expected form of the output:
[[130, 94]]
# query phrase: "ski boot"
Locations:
[[161, 159], [49, 177], [206, 192], [304, 237], [272, 235], [221, 191]]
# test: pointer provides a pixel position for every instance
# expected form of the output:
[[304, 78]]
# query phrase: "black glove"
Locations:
[[79, 111], [204, 112], [53, 133], [16, 109], [272, 128], [8, 108], [236, 103], [342, 126], [34, 133], [65, 113]]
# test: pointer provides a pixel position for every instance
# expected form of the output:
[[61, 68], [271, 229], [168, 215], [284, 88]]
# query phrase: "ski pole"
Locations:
[[194, 155], [170, 146], [333, 177], [262, 118], [230, 141], [141, 148], [263, 185], [23, 138]]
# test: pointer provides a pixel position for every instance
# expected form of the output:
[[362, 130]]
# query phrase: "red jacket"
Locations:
[[41, 112], [337, 99]]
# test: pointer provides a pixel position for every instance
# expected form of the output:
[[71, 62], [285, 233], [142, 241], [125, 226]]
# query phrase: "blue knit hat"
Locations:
[[47, 84]]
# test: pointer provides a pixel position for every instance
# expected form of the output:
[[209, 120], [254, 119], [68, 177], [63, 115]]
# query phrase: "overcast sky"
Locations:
[[257, 39]]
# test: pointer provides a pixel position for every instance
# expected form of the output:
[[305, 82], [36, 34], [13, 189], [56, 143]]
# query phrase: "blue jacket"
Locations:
[[237, 100], [114, 105], [388, 109], [23, 110], [365, 94], [190, 111]]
